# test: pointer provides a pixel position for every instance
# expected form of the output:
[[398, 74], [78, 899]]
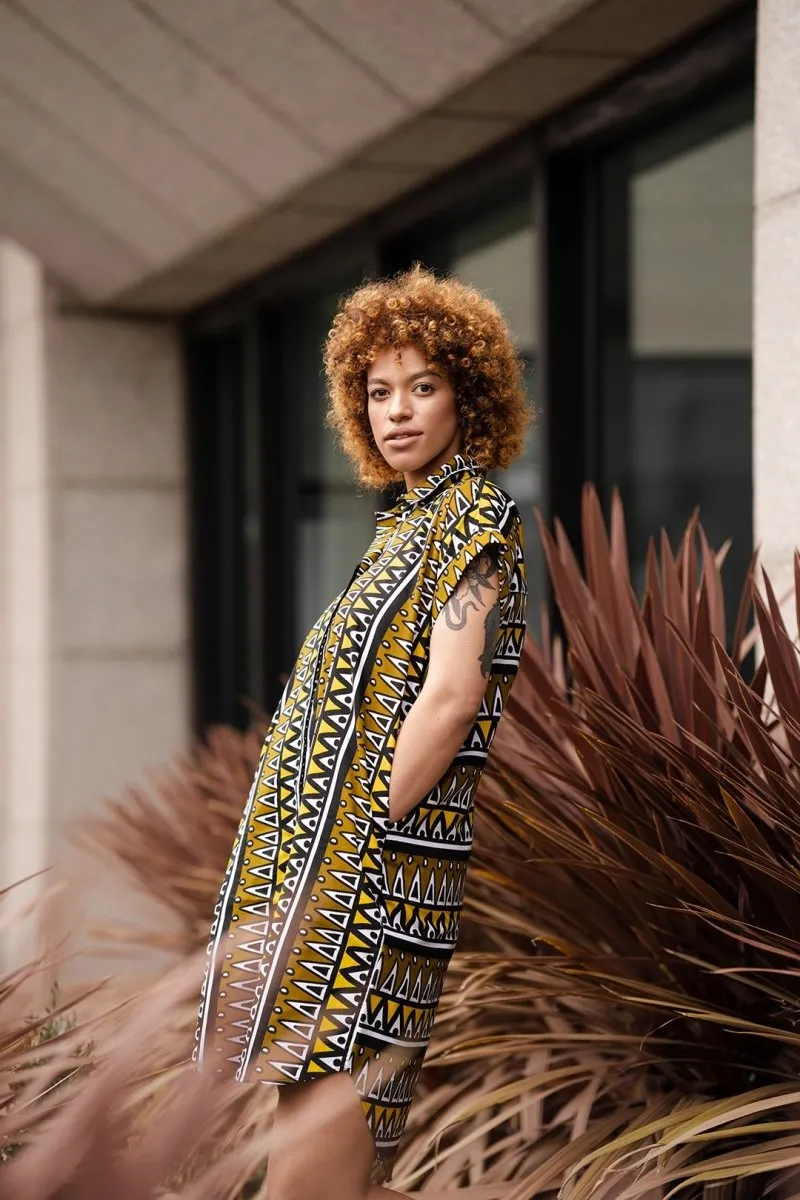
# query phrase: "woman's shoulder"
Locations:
[[477, 498]]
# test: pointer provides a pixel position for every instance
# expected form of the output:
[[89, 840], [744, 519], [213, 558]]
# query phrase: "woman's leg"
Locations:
[[321, 1146]]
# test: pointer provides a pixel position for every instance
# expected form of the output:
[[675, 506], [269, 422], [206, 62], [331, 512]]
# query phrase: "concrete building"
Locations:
[[186, 188]]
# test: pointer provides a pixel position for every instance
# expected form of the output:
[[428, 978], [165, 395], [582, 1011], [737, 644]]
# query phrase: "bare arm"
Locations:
[[463, 640]]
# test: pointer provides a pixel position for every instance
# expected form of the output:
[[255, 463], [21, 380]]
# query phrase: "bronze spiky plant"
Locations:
[[636, 879], [622, 1018]]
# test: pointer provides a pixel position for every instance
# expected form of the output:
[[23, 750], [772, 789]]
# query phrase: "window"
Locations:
[[334, 520], [676, 298]]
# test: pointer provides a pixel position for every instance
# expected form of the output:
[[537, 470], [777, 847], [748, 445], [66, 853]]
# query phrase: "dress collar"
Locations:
[[454, 466]]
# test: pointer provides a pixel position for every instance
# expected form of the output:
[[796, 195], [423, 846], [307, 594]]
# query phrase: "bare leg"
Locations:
[[321, 1145]]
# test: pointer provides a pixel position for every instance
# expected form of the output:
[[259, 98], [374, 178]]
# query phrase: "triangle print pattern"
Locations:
[[334, 926]]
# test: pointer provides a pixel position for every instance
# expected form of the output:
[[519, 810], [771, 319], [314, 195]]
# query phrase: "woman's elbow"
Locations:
[[457, 705]]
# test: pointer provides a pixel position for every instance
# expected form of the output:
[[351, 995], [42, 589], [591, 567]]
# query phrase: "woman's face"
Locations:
[[412, 413]]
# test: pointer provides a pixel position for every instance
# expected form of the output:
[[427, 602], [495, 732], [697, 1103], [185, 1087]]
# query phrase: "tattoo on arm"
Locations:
[[491, 628], [470, 593]]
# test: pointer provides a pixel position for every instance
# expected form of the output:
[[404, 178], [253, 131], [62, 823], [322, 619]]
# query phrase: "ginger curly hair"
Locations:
[[461, 333]]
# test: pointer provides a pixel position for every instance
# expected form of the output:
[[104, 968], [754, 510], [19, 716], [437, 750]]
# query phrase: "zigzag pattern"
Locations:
[[334, 926]]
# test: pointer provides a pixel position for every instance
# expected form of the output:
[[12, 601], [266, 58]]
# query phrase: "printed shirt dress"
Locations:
[[335, 925]]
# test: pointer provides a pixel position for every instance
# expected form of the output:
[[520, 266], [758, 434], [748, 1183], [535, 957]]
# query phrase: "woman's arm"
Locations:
[[463, 641]]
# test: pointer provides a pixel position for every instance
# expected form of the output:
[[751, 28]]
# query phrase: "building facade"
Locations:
[[185, 192]]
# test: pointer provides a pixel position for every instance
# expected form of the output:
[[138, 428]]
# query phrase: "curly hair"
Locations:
[[461, 333]]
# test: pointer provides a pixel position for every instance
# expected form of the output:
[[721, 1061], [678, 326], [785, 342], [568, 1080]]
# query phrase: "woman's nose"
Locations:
[[399, 404]]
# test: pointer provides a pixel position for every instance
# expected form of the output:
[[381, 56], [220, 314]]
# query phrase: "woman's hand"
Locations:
[[463, 642]]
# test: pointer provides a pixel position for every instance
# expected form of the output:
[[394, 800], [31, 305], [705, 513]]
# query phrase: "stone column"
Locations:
[[26, 674], [93, 587], [776, 409]]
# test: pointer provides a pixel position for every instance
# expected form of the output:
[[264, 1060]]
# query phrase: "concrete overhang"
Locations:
[[155, 153]]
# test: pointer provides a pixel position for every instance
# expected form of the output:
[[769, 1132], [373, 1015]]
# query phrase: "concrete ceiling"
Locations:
[[155, 152]]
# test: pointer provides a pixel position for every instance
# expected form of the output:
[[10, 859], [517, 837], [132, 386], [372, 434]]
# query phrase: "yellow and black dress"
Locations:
[[335, 925]]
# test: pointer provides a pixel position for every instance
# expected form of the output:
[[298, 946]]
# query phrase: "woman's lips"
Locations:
[[403, 439]]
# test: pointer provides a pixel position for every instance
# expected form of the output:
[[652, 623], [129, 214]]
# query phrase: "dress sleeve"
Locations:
[[459, 546]]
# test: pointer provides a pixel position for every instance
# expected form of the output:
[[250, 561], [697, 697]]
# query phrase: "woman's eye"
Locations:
[[377, 394], [429, 386]]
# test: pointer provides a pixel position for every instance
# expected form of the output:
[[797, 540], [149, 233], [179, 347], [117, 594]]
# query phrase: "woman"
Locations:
[[341, 902]]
